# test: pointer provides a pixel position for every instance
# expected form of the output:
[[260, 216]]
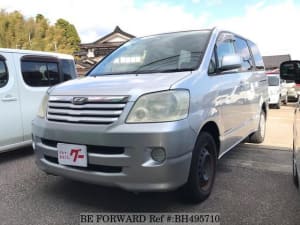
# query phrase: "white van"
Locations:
[[293, 89], [277, 90], [24, 78]]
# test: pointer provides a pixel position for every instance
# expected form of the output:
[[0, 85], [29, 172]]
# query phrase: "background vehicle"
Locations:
[[290, 70], [156, 113], [293, 90], [24, 78], [277, 90]]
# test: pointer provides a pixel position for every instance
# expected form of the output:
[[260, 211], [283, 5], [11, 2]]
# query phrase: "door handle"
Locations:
[[9, 98], [245, 85]]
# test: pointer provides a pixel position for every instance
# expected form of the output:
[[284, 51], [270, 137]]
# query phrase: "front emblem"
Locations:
[[79, 100]]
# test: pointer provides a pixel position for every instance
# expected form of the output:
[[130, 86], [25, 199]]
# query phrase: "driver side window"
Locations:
[[224, 48]]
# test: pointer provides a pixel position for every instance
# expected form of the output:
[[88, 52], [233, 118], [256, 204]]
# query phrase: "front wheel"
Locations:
[[278, 103], [202, 170], [259, 136], [295, 173], [285, 101]]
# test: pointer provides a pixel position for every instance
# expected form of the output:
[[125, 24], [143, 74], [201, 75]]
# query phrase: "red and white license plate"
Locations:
[[73, 155]]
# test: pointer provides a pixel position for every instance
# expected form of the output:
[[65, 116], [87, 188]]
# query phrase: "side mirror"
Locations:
[[231, 62], [290, 70]]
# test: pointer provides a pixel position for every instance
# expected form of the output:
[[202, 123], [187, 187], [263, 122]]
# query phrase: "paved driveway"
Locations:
[[280, 127]]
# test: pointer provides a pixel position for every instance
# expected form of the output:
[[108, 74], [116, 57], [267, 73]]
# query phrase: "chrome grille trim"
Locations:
[[84, 113], [96, 106], [94, 110], [81, 119]]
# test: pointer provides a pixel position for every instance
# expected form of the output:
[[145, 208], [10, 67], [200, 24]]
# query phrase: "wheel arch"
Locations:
[[212, 128]]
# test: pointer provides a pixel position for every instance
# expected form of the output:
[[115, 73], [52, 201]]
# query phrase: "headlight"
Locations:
[[43, 107], [160, 107]]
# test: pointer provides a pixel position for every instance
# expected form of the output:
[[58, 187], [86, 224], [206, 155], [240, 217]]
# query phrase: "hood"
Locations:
[[130, 85]]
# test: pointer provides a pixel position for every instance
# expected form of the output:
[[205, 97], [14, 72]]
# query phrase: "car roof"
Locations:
[[32, 52]]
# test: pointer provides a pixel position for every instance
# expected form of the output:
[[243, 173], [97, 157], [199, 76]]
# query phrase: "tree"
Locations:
[[37, 33], [68, 39], [11, 29]]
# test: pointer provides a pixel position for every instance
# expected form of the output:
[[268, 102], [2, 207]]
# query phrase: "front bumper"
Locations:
[[274, 99], [126, 161], [292, 94]]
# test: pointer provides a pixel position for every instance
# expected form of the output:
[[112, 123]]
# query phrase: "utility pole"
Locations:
[[29, 39], [55, 46]]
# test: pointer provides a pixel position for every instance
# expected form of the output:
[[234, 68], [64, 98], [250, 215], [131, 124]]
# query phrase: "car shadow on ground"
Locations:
[[107, 199], [112, 199], [290, 104], [16, 154]]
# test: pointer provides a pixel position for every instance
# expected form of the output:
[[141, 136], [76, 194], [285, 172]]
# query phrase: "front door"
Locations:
[[232, 95], [11, 131], [36, 75]]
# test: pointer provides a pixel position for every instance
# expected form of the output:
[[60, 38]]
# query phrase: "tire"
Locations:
[[277, 106], [258, 136], [295, 173], [285, 101], [202, 171]]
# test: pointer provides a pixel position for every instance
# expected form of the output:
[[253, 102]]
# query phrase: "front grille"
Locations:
[[105, 150], [86, 110], [90, 167]]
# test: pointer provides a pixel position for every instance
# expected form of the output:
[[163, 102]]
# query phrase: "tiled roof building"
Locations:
[[273, 61], [95, 51], [105, 45]]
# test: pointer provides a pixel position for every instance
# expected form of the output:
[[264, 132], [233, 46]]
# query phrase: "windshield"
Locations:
[[273, 81], [160, 53], [290, 81]]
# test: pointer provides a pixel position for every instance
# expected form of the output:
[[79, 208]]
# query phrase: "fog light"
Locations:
[[158, 154]]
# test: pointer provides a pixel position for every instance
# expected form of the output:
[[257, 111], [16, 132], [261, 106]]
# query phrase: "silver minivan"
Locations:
[[156, 113]]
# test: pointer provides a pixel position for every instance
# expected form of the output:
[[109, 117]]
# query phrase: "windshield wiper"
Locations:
[[112, 73], [175, 70], [156, 61], [167, 58]]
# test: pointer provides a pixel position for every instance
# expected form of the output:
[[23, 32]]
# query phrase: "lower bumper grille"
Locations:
[[90, 167], [106, 150]]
